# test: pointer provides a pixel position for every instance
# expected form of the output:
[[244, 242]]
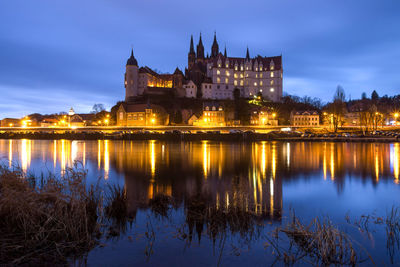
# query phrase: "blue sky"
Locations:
[[58, 54]]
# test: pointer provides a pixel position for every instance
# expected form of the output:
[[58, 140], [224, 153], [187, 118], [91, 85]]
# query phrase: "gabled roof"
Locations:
[[141, 107], [305, 112]]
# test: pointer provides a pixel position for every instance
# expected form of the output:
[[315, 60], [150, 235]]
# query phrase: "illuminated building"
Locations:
[[141, 115], [209, 77], [145, 81], [218, 75], [213, 115], [10, 122], [263, 116], [304, 118]]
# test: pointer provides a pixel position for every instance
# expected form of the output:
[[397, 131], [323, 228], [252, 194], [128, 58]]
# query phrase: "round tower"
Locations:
[[131, 78]]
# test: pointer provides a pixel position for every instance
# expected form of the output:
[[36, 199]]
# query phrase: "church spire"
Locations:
[[225, 55], [191, 51], [247, 54], [200, 49], [214, 47]]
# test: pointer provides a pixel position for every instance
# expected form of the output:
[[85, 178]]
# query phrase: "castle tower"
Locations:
[[131, 78], [192, 54], [200, 50], [214, 47], [247, 54]]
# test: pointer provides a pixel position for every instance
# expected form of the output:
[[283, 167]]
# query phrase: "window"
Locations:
[[236, 67], [227, 73], [227, 65], [256, 75], [272, 74], [218, 79], [218, 72], [226, 80], [235, 75], [255, 84], [121, 115], [256, 69], [261, 75], [241, 68], [272, 82], [241, 82], [261, 83], [272, 89], [272, 67], [235, 82], [241, 75]]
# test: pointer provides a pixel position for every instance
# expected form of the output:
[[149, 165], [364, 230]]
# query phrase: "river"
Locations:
[[270, 180]]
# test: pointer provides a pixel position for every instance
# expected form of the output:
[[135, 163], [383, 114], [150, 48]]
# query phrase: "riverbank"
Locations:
[[210, 135]]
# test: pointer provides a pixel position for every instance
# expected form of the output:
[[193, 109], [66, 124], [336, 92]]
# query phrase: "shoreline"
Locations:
[[188, 137]]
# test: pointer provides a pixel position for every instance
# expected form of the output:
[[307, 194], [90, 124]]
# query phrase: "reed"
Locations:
[[46, 219]]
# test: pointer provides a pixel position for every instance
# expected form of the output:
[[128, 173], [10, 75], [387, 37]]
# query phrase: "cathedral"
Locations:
[[211, 76]]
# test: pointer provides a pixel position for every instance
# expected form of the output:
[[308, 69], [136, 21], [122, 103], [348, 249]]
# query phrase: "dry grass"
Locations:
[[319, 243], [47, 219]]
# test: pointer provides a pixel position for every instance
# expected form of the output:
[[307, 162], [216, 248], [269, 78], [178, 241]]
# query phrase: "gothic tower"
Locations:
[[131, 78], [215, 48], [192, 54], [200, 50]]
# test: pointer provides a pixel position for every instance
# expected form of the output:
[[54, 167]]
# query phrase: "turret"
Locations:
[[225, 54], [215, 47], [192, 54], [131, 77]]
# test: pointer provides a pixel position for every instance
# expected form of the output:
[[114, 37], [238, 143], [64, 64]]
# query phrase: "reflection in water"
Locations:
[[243, 175], [25, 154], [395, 157]]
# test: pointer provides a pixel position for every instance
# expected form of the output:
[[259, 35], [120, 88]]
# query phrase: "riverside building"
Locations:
[[212, 76]]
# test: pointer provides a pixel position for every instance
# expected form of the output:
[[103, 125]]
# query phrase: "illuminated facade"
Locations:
[[218, 75], [263, 117], [304, 118], [213, 115], [214, 76], [141, 115]]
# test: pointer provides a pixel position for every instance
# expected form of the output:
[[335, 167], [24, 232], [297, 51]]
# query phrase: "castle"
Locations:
[[214, 76]]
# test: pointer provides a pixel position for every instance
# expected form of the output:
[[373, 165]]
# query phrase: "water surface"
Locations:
[[268, 180]]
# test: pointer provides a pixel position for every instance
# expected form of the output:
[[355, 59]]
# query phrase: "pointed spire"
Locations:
[[214, 47], [191, 51], [225, 52], [215, 37], [132, 60], [247, 54], [200, 49]]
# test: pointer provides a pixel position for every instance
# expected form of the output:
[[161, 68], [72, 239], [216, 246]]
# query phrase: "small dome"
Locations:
[[132, 60]]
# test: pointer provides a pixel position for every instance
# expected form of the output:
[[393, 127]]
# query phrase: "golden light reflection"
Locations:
[[25, 154], [74, 150], [106, 160], [10, 150], [273, 160], [263, 159], [54, 153], [324, 162], [332, 148], [288, 154], [152, 158], [206, 158], [396, 162], [376, 164], [63, 152], [98, 154]]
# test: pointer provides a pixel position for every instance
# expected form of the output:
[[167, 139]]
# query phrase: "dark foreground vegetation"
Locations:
[[58, 220]]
